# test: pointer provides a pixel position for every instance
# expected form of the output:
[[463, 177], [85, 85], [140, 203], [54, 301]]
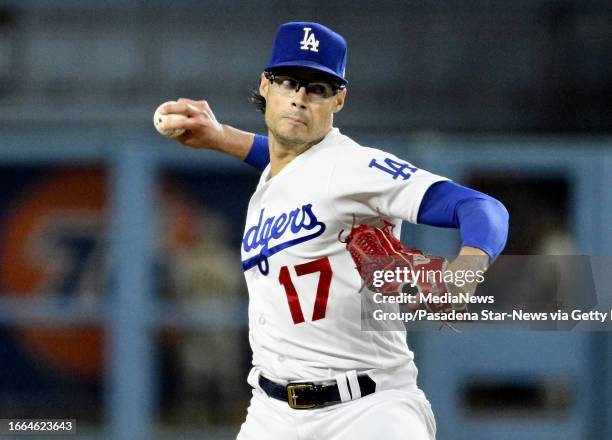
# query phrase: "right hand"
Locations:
[[201, 127]]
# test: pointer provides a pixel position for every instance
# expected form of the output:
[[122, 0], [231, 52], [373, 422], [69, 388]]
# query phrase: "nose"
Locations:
[[299, 98]]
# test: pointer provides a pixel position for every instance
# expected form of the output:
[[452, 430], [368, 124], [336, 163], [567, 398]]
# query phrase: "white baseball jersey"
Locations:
[[304, 300]]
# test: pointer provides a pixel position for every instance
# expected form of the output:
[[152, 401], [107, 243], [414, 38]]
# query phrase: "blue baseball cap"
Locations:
[[312, 45]]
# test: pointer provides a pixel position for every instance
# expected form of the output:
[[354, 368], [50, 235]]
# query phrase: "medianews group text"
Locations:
[[433, 298]]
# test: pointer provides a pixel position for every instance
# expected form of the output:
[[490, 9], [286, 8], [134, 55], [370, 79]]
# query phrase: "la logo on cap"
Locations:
[[309, 45], [309, 42]]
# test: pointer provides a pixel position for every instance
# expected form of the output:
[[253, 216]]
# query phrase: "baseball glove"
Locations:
[[375, 249]]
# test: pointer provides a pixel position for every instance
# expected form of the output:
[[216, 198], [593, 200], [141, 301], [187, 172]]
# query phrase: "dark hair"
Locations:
[[258, 100]]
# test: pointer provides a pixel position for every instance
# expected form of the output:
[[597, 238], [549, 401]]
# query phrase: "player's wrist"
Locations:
[[474, 257], [218, 138], [230, 140]]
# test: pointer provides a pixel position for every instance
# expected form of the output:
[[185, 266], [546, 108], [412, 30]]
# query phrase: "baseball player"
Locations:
[[316, 374]]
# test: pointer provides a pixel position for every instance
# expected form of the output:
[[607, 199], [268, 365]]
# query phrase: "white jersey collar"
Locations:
[[327, 141]]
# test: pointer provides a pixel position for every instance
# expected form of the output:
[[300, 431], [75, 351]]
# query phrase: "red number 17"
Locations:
[[321, 265]]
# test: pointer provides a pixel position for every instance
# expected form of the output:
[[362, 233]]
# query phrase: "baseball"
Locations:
[[158, 119]]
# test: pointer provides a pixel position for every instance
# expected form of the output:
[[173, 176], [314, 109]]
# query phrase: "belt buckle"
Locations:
[[292, 397]]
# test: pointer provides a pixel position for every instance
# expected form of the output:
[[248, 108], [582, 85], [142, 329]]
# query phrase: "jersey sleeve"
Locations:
[[483, 220], [364, 180], [259, 154]]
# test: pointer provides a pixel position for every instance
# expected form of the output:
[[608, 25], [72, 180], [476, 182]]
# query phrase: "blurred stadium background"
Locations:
[[121, 296]]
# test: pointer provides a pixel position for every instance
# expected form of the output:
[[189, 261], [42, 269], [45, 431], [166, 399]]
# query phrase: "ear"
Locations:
[[339, 100], [263, 85]]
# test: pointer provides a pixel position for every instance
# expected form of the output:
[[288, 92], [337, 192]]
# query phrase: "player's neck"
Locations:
[[281, 154]]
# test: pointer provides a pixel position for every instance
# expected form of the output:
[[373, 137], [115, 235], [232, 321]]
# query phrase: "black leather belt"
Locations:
[[306, 395]]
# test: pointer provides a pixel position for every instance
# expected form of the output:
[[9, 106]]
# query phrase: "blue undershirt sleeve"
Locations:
[[482, 220], [259, 156]]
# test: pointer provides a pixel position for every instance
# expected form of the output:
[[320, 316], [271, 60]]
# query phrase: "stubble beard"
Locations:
[[290, 142]]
